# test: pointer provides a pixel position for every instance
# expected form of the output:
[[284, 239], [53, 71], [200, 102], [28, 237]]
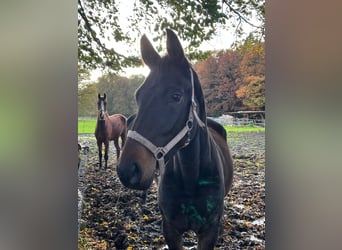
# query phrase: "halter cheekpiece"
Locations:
[[160, 152]]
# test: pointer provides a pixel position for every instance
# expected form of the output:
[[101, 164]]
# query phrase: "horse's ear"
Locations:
[[104, 96], [98, 96], [174, 47], [148, 53]]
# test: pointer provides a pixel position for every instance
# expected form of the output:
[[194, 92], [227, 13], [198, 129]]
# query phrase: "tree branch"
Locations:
[[88, 25], [239, 15], [81, 11]]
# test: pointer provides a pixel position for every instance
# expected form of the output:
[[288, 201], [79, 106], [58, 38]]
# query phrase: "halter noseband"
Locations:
[[160, 152]]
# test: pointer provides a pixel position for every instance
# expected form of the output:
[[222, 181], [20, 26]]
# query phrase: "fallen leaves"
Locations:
[[118, 218]]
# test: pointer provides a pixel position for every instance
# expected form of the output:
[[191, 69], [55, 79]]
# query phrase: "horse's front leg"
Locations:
[[207, 239], [99, 146], [116, 144], [106, 153], [173, 238]]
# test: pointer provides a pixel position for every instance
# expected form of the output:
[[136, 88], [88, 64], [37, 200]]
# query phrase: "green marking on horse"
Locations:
[[192, 213], [210, 205], [206, 182], [183, 207]]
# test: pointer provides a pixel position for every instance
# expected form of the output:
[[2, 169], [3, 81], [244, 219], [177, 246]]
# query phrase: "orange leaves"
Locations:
[[234, 79]]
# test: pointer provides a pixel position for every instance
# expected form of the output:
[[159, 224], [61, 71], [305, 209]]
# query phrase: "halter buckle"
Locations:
[[190, 124], [159, 154]]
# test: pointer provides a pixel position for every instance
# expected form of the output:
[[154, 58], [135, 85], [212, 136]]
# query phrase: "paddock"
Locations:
[[115, 217]]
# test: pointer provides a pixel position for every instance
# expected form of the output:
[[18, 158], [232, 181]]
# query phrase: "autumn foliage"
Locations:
[[231, 80], [234, 80]]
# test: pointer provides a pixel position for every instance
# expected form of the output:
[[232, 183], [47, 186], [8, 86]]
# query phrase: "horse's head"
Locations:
[[170, 108], [101, 106]]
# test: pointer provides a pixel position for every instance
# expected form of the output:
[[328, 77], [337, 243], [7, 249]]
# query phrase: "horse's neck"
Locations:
[[191, 159], [102, 124]]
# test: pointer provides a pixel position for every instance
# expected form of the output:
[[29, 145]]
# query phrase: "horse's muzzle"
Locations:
[[136, 166], [130, 175]]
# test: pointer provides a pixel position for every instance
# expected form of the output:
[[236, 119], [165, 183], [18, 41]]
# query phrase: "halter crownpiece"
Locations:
[[193, 102], [160, 152]]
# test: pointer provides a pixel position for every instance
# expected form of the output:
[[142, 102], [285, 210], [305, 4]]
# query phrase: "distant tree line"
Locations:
[[232, 80], [120, 95]]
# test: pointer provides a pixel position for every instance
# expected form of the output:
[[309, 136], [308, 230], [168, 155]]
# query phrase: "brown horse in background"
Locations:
[[109, 128]]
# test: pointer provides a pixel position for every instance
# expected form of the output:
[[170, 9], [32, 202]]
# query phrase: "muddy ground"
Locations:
[[114, 217]]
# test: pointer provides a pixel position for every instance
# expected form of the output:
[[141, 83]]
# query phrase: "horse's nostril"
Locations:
[[135, 174]]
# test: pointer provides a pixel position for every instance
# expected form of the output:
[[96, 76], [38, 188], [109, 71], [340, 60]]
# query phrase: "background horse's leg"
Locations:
[[116, 144], [207, 239], [106, 152], [123, 139], [174, 240], [99, 146]]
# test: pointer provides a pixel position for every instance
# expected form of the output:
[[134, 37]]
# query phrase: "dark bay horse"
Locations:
[[108, 128], [171, 137]]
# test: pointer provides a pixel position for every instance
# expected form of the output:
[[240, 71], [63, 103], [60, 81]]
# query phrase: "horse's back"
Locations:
[[217, 127], [118, 122], [130, 121], [219, 135], [119, 117]]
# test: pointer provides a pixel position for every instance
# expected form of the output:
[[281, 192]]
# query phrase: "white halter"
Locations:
[[160, 152]]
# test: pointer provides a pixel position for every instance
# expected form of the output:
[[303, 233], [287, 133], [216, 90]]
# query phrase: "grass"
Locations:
[[243, 129], [87, 126]]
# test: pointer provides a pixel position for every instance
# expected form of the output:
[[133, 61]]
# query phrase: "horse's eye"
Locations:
[[176, 97]]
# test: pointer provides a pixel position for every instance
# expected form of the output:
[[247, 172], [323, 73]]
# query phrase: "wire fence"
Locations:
[[248, 122], [224, 120], [227, 120]]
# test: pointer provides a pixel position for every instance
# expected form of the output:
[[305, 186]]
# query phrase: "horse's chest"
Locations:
[[101, 137], [192, 213]]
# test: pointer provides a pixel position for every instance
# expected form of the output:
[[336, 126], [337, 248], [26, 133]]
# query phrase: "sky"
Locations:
[[223, 40]]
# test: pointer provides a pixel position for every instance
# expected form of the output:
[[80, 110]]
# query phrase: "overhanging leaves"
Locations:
[[102, 24]]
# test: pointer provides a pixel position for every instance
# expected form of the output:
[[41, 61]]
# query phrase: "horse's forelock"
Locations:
[[168, 63]]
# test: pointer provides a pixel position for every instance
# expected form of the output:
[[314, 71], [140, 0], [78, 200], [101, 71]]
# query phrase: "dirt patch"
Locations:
[[114, 217]]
